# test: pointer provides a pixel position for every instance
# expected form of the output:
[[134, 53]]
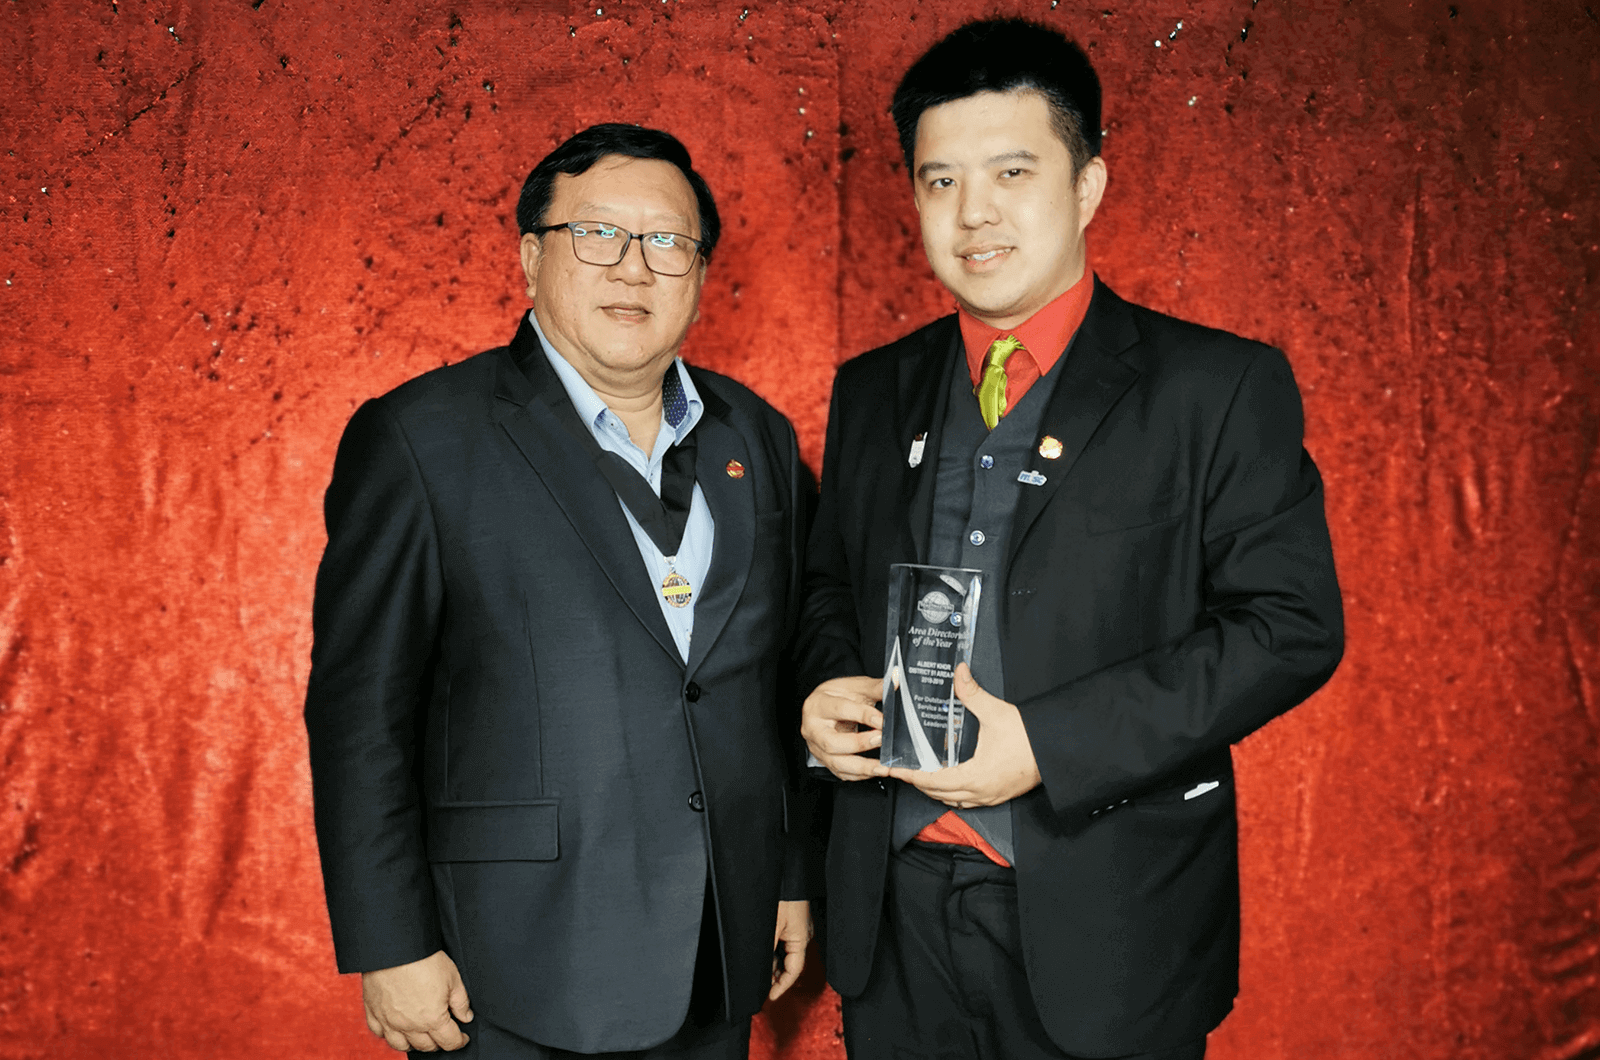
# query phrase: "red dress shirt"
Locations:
[[1044, 338]]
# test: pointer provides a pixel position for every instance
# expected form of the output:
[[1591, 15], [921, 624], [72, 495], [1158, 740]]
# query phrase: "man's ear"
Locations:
[[702, 264], [1091, 188], [532, 254]]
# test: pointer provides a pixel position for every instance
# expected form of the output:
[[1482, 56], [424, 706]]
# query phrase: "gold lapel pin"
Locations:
[[1050, 448], [735, 469]]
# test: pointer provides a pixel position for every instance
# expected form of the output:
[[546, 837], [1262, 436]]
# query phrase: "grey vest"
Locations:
[[974, 500]]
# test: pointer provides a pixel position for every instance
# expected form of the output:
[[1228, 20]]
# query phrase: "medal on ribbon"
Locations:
[[676, 590]]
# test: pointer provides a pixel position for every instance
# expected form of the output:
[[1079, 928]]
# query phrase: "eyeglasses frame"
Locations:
[[699, 245]]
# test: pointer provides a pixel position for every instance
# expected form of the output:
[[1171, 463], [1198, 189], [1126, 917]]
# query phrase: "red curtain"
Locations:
[[225, 224]]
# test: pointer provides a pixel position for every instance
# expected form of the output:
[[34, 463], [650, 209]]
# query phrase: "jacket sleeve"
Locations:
[[374, 619], [807, 832], [829, 641], [1271, 631]]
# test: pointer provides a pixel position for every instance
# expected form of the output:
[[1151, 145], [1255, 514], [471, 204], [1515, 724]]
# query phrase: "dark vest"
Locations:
[[974, 501]]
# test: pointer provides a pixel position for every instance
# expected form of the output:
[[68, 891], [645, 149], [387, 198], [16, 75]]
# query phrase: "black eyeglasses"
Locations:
[[597, 243]]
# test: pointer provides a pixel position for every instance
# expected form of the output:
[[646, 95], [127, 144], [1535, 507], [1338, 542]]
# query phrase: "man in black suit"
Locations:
[[1158, 585], [533, 787]]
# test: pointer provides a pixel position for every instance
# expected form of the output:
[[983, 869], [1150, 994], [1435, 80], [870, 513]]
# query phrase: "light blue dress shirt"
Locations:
[[694, 552]]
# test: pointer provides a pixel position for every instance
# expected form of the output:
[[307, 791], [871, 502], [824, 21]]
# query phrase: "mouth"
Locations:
[[625, 311], [978, 259]]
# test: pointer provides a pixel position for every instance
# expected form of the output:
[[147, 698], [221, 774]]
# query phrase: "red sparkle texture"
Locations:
[[226, 225]]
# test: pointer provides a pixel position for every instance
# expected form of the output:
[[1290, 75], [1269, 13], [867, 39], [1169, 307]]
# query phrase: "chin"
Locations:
[[994, 296], [633, 354], [988, 304]]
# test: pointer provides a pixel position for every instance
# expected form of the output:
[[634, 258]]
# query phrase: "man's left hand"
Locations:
[[793, 933], [1002, 766]]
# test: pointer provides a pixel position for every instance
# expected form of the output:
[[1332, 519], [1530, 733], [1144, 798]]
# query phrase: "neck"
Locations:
[[637, 402], [632, 392]]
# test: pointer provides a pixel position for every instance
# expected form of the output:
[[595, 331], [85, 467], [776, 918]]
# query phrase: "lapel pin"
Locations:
[[1032, 478], [916, 449], [1050, 448], [735, 469]]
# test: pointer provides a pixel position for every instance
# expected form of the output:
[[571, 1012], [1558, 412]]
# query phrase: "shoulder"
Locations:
[[467, 381], [435, 405], [881, 365], [743, 401], [427, 410], [1171, 349]]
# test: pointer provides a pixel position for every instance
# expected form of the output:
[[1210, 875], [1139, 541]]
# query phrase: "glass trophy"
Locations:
[[933, 614]]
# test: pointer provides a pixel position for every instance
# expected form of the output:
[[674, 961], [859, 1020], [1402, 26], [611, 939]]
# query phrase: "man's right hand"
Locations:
[[839, 721], [409, 1006]]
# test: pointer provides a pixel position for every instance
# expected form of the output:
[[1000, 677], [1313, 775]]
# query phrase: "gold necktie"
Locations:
[[992, 389]]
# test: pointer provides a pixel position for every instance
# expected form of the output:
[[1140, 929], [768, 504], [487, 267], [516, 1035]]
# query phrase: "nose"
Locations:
[[977, 205], [632, 269]]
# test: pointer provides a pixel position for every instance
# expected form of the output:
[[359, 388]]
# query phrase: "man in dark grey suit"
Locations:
[[550, 765]]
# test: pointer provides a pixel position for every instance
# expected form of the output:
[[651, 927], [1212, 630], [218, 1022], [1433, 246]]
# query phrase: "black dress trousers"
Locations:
[[948, 981]]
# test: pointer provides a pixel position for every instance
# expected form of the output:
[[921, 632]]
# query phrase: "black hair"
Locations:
[[582, 150], [1002, 55]]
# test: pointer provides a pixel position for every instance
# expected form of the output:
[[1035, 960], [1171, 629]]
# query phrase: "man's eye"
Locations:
[[607, 233], [943, 182], [579, 230], [663, 239], [1013, 173]]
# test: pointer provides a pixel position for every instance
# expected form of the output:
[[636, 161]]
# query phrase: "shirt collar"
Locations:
[[595, 412], [1044, 335]]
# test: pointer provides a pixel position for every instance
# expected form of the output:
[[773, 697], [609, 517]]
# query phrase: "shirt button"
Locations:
[[691, 692], [986, 462], [977, 537], [697, 802]]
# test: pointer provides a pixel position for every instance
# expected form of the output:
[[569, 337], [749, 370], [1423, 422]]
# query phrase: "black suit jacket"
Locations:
[[507, 750], [1170, 589]]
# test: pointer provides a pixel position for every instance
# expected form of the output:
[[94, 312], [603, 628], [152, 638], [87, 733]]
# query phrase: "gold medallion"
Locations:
[[676, 590], [1050, 448]]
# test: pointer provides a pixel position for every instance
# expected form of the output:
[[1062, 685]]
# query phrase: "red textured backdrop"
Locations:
[[223, 225]]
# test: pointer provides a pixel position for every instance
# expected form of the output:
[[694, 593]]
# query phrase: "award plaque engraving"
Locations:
[[933, 615]]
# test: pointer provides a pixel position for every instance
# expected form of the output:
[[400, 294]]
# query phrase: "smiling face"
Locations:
[[1002, 216], [619, 326]]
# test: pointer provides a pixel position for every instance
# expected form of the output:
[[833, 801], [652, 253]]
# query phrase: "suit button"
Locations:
[[697, 802], [691, 692], [976, 537]]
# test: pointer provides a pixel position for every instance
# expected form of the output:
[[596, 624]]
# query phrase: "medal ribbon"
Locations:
[[663, 517]]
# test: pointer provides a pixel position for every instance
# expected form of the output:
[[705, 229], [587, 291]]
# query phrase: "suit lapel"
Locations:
[[531, 398], [1092, 379], [922, 397], [733, 510]]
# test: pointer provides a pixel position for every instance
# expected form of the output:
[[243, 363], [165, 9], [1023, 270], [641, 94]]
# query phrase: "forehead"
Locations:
[[987, 124], [636, 193]]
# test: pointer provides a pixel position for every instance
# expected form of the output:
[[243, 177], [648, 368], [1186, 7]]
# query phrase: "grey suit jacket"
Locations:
[[510, 760]]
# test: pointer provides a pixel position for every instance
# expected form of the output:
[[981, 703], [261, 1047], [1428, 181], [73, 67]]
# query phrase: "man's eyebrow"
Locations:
[[1019, 155], [928, 169], [585, 208]]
